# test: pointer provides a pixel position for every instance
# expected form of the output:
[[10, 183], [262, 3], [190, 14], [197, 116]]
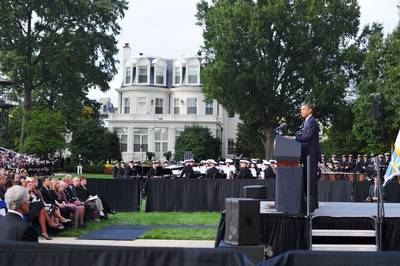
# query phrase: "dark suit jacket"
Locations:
[[187, 171], [47, 197], [12, 227], [82, 192], [309, 139], [245, 173], [213, 173]]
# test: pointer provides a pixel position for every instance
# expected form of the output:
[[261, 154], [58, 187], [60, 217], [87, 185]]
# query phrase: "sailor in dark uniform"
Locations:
[[244, 172], [187, 170], [212, 172]]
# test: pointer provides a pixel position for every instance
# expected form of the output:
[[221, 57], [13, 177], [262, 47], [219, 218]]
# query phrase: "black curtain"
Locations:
[[335, 191], [121, 194], [196, 194], [317, 258], [32, 254]]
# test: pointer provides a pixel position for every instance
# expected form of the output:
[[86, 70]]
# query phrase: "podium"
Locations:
[[289, 196]]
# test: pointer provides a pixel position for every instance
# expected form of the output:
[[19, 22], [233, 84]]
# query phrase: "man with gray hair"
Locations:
[[13, 226]]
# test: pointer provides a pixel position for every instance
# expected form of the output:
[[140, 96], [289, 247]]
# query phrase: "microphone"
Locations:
[[281, 127]]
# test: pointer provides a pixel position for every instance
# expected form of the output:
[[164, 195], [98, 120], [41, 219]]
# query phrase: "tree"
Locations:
[[379, 74], [264, 58], [57, 50], [199, 141], [88, 140], [112, 149], [45, 133], [248, 142]]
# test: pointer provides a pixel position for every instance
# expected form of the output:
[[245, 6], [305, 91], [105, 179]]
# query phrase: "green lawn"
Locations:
[[102, 176], [158, 218]]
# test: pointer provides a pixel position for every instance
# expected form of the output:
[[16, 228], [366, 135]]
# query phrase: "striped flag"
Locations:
[[394, 165]]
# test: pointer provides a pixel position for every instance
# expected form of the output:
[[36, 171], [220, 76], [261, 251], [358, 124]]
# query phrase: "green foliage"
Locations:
[[150, 155], [111, 142], [168, 155], [45, 130], [379, 74], [248, 142], [56, 51], [92, 141], [264, 58], [199, 141]]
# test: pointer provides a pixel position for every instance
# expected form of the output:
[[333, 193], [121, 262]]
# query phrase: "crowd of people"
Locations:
[[24, 165], [228, 169], [245, 168], [52, 203]]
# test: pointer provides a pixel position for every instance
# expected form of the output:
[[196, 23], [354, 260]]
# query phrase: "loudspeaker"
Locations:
[[255, 192], [242, 226], [255, 253]]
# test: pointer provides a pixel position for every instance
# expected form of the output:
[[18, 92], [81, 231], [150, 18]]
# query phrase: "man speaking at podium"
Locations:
[[309, 139]]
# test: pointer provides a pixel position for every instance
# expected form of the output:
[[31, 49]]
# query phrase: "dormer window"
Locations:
[[178, 75], [193, 73], [128, 75], [160, 70], [142, 74]]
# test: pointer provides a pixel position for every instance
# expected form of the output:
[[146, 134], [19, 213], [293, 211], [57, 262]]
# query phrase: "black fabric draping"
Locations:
[[283, 232], [195, 194], [391, 233], [392, 191], [334, 191], [209, 195], [23, 253], [317, 258], [121, 195], [361, 190]]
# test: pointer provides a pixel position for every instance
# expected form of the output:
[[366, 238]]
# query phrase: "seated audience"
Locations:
[[13, 226]]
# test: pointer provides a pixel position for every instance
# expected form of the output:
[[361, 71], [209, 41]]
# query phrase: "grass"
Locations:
[[180, 234], [158, 218]]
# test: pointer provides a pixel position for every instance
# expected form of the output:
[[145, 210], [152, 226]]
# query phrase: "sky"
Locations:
[[167, 28]]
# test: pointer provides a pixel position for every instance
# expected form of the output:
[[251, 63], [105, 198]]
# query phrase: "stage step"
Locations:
[[335, 247], [343, 233]]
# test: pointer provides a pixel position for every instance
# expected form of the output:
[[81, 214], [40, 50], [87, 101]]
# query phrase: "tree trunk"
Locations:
[[28, 83], [268, 141]]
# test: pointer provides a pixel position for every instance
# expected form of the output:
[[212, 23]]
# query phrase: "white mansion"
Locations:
[[158, 98]]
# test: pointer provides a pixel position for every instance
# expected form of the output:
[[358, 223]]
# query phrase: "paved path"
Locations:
[[135, 243]]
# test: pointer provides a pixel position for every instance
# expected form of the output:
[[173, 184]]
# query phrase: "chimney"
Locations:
[[126, 55]]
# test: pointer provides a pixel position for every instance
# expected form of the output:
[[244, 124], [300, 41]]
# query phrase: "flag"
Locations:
[[394, 165]]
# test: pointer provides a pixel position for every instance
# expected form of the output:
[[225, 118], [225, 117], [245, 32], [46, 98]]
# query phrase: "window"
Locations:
[[122, 134], [178, 75], [142, 74], [192, 106], [176, 106], [209, 108], [192, 74], [159, 105], [141, 105], [231, 146], [160, 75], [140, 140], [127, 106], [128, 75], [161, 141]]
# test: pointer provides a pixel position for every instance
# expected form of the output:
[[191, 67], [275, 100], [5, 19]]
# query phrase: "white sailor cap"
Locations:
[[212, 161], [228, 161], [244, 161]]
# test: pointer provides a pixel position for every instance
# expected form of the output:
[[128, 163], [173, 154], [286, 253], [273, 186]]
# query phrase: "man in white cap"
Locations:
[[244, 172], [212, 172], [187, 170]]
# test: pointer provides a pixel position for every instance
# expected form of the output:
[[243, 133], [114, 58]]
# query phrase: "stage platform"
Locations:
[[343, 209], [348, 223]]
